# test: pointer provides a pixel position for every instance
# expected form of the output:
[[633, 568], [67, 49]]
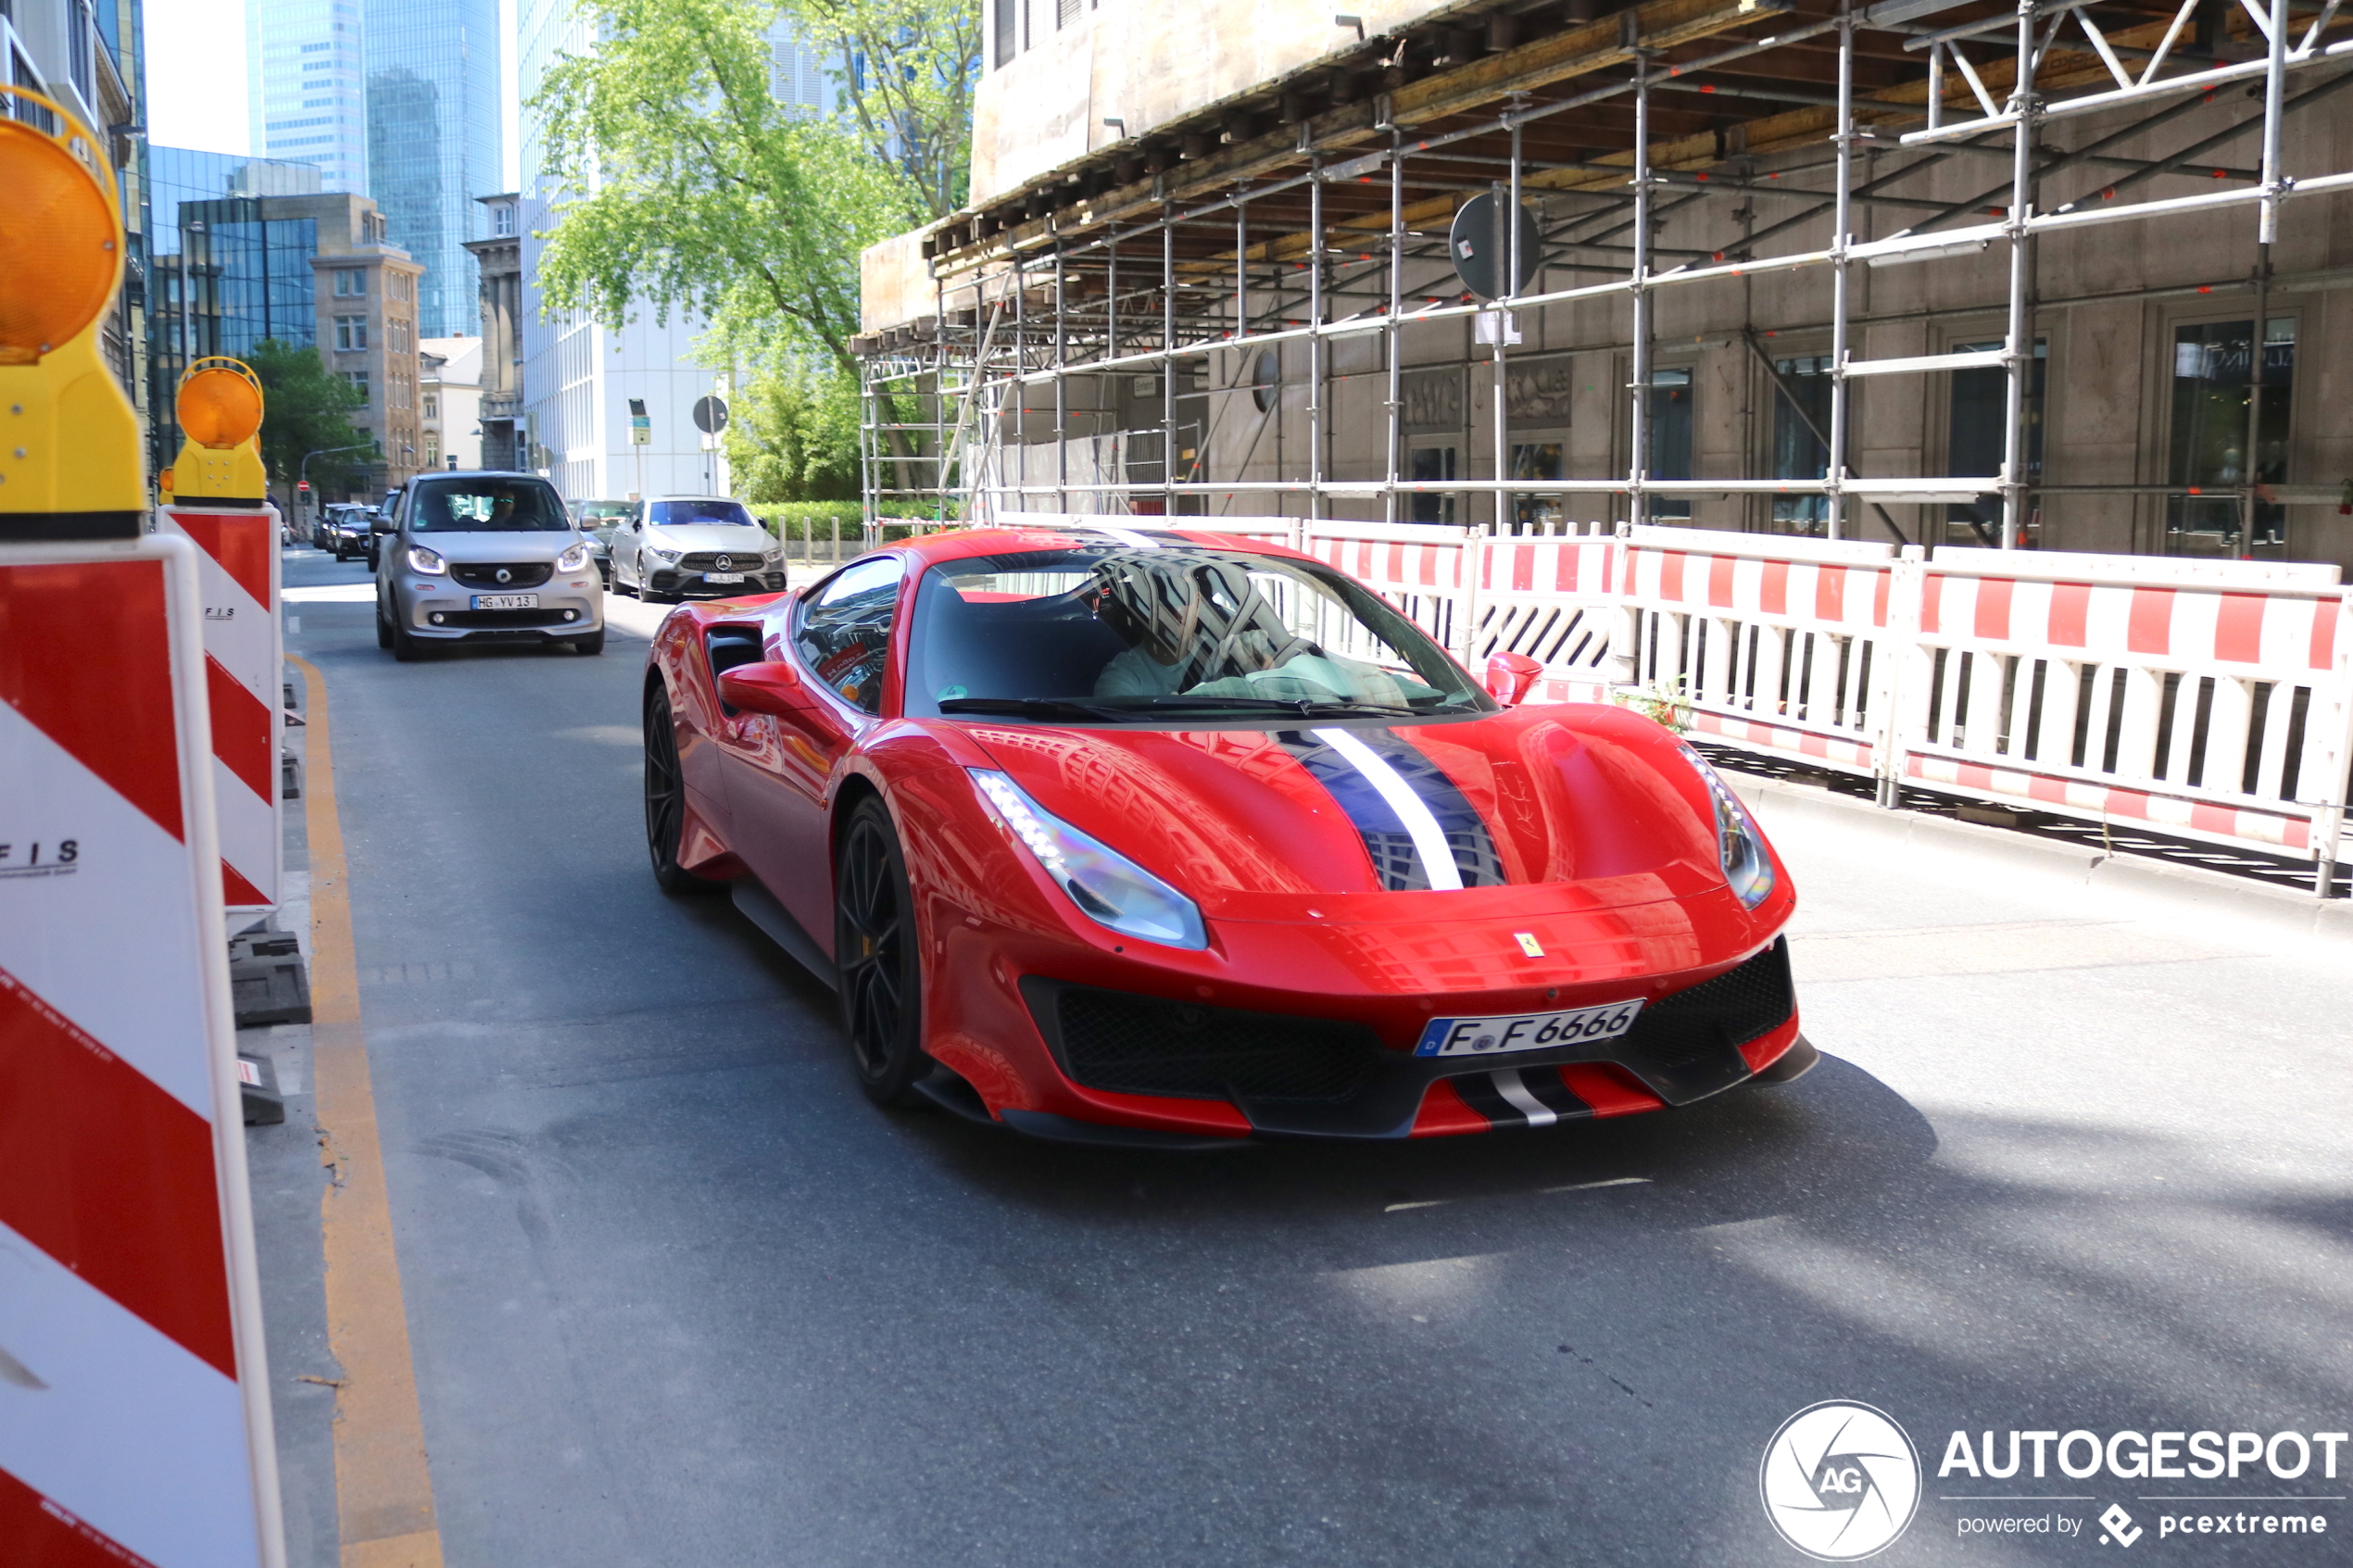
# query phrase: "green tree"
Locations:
[[307, 408], [794, 435], [687, 186]]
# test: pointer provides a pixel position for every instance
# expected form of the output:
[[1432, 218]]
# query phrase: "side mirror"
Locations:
[[380, 525], [767, 686], [1509, 675]]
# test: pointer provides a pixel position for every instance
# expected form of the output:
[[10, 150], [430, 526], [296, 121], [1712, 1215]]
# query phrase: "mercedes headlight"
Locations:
[[573, 559], [427, 561], [667, 558], [1748, 866], [1112, 889]]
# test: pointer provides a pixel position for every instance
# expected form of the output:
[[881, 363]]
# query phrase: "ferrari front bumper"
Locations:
[[1299, 1077]]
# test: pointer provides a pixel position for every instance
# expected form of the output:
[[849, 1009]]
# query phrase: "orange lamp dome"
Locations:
[[219, 403], [59, 253]]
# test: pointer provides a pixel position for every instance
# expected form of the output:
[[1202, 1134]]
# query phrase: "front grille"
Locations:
[[1728, 1011], [1148, 1046], [520, 574], [503, 618], [707, 560]]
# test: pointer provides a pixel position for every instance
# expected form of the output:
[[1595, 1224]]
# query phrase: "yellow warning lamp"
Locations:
[[69, 454], [220, 461]]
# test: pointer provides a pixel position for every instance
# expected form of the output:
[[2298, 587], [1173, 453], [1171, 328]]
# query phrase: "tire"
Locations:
[[408, 648], [880, 958], [666, 801], [592, 643], [383, 631]]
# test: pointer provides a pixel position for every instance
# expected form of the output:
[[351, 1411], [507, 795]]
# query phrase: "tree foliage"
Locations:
[[684, 186], [795, 437], [305, 409]]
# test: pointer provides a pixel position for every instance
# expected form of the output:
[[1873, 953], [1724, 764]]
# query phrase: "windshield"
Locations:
[[1116, 635], [602, 514], [488, 506], [676, 513]]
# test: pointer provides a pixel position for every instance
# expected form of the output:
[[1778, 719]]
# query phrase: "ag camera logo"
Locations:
[[1840, 1481]]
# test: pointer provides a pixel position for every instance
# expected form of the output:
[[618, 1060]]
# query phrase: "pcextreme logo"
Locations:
[[1840, 1481]]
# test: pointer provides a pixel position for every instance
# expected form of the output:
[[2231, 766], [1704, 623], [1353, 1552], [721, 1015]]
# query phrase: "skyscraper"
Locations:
[[434, 129], [397, 99], [306, 93]]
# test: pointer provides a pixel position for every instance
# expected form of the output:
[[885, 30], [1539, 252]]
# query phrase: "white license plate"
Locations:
[[723, 576], [506, 601], [1527, 1031]]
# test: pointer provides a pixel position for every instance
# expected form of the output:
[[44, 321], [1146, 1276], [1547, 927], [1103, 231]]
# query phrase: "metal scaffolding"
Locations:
[[1315, 243]]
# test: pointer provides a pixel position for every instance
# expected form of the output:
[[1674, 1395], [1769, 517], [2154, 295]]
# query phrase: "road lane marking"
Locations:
[[1539, 1192], [384, 1487]]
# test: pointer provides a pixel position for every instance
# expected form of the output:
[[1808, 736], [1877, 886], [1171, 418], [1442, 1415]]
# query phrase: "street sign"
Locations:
[[711, 415], [1478, 246], [641, 429]]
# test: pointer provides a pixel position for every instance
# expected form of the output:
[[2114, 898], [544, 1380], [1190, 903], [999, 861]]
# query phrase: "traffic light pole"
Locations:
[[302, 479]]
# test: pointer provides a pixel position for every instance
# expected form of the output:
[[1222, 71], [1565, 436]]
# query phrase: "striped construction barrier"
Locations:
[[135, 1415], [239, 570]]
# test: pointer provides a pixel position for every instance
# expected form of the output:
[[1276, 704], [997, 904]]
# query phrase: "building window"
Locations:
[[1800, 449], [350, 284], [2207, 444], [1008, 30], [1669, 427], [1537, 460], [502, 221], [432, 405], [351, 333], [1430, 465], [359, 380], [433, 449], [1974, 441]]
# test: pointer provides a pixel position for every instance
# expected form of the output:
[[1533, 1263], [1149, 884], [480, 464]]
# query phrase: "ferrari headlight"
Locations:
[[1748, 867], [427, 561], [573, 558], [1112, 889]]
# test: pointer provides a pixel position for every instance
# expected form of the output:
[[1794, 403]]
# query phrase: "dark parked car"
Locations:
[[598, 520]]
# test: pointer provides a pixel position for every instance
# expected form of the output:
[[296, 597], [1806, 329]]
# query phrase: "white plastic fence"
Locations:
[[2212, 700]]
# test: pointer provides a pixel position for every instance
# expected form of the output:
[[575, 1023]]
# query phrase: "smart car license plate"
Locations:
[[506, 601], [1527, 1031], [723, 576]]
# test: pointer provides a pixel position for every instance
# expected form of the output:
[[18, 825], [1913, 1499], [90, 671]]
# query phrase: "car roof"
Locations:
[[730, 499]]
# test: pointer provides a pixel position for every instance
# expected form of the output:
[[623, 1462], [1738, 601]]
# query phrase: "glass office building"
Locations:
[[306, 88], [434, 142], [397, 100]]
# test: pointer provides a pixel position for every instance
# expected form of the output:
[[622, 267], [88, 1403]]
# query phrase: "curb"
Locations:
[[2191, 891]]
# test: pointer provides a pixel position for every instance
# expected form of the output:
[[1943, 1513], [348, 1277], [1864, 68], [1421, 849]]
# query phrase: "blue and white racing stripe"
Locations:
[[1421, 831]]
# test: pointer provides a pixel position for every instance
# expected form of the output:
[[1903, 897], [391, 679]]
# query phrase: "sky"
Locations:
[[199, 101]]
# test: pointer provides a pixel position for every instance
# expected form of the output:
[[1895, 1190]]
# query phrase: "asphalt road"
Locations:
[[678, 1295]]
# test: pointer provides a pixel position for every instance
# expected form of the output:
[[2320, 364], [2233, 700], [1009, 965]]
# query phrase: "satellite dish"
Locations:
[[1479, 247], [711, 415]]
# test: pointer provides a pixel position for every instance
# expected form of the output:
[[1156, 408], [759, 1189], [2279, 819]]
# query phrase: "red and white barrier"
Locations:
[[2210, 700], [135, 1415], [239, 569]]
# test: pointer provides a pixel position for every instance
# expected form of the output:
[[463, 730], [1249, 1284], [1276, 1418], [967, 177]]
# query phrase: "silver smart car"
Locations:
[[483, 558]]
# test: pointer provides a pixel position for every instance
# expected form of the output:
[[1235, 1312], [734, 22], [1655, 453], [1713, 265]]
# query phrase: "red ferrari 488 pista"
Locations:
[[1144, 837]]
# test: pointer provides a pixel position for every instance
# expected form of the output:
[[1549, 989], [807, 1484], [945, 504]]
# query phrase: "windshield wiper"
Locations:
[[1306, 708], [1033, 707]]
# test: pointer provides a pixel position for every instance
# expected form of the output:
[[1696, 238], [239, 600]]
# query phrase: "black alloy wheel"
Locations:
[[666, 801], [879, 957]]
